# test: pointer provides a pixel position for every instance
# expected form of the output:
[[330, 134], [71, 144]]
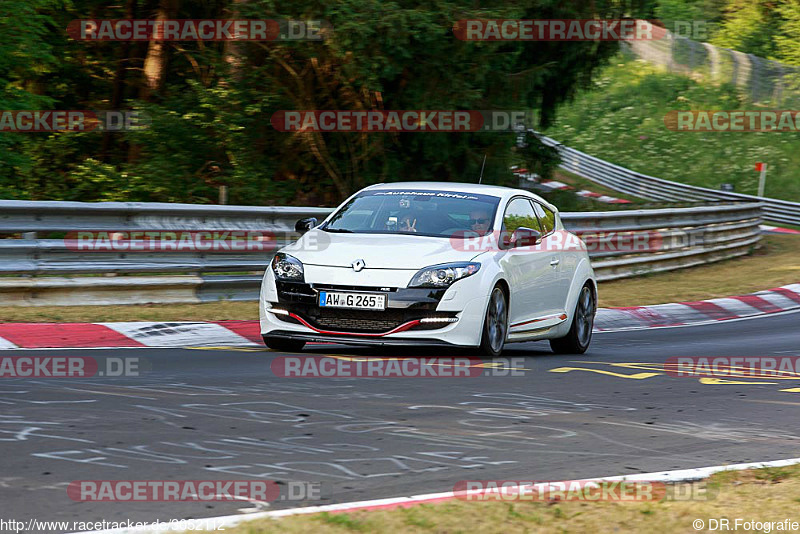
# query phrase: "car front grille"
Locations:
[[403, 305], [359, 320], [363, 321]]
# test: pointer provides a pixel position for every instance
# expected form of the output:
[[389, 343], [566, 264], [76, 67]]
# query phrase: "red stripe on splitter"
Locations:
[[64, 335], [402, 328], [248, 329], [788, 293], [758, 303], [711, 310]]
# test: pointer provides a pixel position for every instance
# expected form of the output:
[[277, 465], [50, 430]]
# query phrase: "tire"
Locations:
[[283, 344], [495, 324], [580, 331]]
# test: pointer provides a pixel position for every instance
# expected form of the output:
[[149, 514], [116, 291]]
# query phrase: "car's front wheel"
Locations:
[[580, 332], [495, 324], [283, 344]]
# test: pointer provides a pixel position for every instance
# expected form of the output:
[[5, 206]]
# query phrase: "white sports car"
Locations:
[[426, 263]]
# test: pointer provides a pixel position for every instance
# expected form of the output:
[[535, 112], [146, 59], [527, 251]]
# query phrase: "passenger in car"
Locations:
[[408, 224]]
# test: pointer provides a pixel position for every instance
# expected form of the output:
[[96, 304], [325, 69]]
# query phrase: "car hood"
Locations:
[[379, 251]]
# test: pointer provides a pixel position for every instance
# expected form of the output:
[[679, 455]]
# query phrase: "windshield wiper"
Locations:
[[338, 230]]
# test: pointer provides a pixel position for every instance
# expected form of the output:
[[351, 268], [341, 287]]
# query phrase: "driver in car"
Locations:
[[479, 221]]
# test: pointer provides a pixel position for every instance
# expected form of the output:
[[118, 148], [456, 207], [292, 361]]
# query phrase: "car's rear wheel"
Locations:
[[580, 332], [495, 324], [283, 344]]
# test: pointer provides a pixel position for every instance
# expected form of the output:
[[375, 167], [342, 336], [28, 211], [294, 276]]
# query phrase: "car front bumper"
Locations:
[[413, 316]]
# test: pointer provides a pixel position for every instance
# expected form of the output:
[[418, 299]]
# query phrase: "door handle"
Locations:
[[554, 262]]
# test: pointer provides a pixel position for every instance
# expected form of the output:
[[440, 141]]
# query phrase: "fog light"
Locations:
[[439, 320]]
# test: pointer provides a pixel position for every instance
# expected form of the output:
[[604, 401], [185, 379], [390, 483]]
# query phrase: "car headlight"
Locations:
[[443, 275], [287, 268]]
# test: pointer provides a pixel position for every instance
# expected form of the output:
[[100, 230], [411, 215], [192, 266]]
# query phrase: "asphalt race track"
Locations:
[[221, 413]]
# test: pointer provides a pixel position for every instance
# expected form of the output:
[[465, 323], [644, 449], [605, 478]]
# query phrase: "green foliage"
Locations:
[[26, 54], [765, 28], [537, 157], [787, 41], [622, 121], [749, 27], [709, 12], [210, 120]]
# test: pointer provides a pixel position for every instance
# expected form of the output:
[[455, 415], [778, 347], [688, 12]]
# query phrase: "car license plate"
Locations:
[[362, 301]]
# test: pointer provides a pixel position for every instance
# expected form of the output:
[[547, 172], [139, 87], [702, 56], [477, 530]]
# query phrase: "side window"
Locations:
[[546, 217], [520, 213]]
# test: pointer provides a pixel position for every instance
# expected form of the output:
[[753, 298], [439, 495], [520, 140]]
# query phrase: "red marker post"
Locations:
[[762, 180]]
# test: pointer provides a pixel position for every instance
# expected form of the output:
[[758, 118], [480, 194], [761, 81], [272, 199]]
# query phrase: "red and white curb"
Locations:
[[779, 230], [247, 333], [667, 477], [585, 193], [140, 334], [601, 198], [776, 300], [555, 185]]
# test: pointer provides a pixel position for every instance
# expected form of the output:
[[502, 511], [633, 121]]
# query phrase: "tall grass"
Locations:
[[622, 120]]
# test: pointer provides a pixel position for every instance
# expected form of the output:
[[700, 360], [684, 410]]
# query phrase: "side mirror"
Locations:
[[304, 225], [525, 237]]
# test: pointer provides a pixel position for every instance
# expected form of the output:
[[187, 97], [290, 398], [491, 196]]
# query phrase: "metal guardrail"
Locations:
[[651, 188], [671, 238], [676, 238], [53, 216]]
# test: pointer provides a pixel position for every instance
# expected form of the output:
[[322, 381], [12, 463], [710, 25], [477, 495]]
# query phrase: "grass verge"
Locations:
[[208, 311], [756, 495], [775, 264]]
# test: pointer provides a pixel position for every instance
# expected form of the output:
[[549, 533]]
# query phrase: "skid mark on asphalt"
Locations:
[[738, 375]]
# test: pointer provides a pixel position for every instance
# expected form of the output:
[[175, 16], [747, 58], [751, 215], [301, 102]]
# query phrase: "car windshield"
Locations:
[[427, 213]]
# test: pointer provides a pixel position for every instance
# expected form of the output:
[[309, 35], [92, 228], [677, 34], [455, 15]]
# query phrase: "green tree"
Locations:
[[211, 102], [787, 42], [750, 26], [26, 58]]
